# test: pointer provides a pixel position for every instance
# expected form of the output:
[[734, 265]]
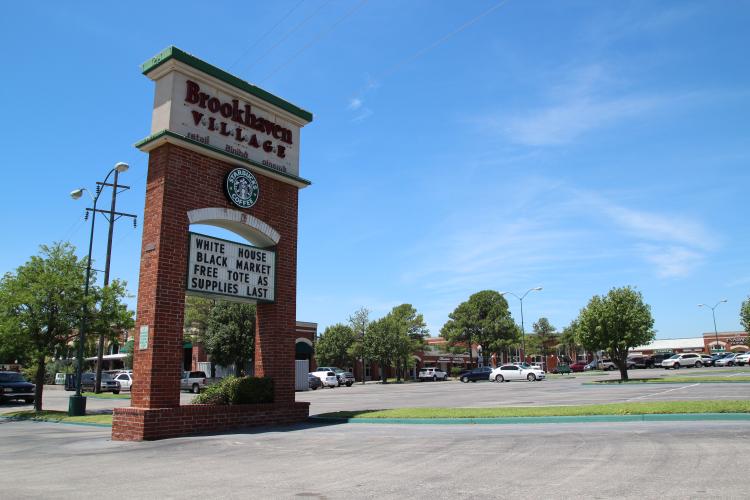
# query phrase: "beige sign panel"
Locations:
[[234, 271], [223, 118]]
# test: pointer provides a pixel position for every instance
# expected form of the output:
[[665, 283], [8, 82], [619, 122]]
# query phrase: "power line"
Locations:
[[264, 35], [289, 33], [315, 40], [395, 67]]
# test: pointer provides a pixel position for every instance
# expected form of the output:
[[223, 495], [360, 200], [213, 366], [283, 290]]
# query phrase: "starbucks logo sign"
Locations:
[[241, 187]]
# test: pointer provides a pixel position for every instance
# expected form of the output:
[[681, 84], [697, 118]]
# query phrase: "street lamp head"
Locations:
[[122, 167], [76, 193], [537, 288], [723, 300], [701, 305]]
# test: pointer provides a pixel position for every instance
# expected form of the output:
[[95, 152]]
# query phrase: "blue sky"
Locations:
[[456, 146]]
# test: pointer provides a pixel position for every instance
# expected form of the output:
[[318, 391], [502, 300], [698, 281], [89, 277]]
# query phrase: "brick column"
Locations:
[[161, 289]]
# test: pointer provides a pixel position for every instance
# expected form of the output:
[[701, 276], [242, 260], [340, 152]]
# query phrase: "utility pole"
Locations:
[[111, 215]]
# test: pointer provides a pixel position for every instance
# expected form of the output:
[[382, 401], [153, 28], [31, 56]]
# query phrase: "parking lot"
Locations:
[[313, 460], [565, 390]]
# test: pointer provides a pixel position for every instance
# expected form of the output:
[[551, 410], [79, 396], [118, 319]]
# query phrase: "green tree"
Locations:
[[40, 306], [381, 342], [545, 336], [483, 319], [359, 321], [197, 312], [569, 340], [615, 323], [745, 316], [334, 347], [230, 334], [412, 332], [112, 316]]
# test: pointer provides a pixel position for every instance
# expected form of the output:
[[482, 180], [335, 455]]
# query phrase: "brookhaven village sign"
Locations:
[[224, 153]]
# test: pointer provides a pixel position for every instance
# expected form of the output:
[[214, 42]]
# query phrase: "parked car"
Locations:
[[605, 364], [313, 381], [640, 361], [742, 359], [718, 356], [593, 365], [688, 359], [125, 379], [563, 369], [14, 386], [194, 382], [108, 384], [482, 373], [433, 374], [728, 360], [708, 360], [506, 373], [342, 376], [578, 367], [660, 356], [327, 378]]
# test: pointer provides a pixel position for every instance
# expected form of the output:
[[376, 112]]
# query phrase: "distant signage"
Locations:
[[241, 187], [143, 338], [229, 269]]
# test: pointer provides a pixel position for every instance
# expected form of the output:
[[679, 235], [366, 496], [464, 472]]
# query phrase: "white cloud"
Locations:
[[671, 261], [354, 104]]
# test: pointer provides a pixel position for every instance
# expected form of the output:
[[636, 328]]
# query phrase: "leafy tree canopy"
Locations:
[[230, 334], [40, 307], [483, 319], [745, 315], [616, 322], [334, 347]]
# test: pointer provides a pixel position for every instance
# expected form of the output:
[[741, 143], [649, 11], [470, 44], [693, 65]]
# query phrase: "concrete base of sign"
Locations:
[[144, 424]]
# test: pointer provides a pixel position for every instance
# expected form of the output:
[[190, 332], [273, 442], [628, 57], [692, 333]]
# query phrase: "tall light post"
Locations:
[[523, 330], [77, 402], [713, 313]]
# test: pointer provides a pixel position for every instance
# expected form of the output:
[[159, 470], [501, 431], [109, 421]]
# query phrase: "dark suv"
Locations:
[[108, 384], [639, 361], [482, 373], [14, 386]]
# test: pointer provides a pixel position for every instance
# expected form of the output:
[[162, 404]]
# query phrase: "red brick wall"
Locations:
[[138, 424], [180, 180]]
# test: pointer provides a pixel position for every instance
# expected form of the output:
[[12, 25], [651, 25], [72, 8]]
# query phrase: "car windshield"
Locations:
[[106, 376], [676, 356], [11, 377]]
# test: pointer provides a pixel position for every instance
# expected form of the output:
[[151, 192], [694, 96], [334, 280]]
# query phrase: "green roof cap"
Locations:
[[173, 52]]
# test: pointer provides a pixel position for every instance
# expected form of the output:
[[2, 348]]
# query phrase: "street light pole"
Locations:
[[523, 329], [713, 314], [77, 402], [111, 216]]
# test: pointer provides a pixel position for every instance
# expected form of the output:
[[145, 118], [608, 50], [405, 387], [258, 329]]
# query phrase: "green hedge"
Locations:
[[237, 391]]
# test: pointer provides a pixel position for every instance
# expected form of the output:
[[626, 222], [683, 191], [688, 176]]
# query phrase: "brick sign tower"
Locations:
[[225, 153]]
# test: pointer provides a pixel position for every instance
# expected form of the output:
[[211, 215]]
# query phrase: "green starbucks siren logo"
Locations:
[[241, 187]]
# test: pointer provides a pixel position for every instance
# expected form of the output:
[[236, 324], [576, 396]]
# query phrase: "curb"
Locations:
[[655, 417], [634, 382]]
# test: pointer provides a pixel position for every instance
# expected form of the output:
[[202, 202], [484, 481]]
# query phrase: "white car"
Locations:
[[728, 360], [125, 379], [506, 373], [327, 378], [433, 374], [742, 359], [685, 359]]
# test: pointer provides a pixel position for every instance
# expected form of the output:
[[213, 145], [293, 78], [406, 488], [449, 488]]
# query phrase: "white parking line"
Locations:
[[663, 392]]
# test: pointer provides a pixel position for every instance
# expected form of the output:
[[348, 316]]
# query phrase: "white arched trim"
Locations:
[[251, 228], [304, 341], [416, 357]]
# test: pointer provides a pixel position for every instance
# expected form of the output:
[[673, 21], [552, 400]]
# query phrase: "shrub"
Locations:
[[456, 371], [238, 391]]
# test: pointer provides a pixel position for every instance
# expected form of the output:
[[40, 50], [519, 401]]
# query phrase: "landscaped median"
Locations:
[[98, 419], [688, 379], [667, 410]]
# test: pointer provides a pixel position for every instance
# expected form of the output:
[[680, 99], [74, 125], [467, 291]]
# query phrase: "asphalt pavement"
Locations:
[[593, 460]]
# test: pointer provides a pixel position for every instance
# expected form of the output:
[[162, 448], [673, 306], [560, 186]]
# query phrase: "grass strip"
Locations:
[[59, 417], [677, 380], [106, 395], [638, 408]]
